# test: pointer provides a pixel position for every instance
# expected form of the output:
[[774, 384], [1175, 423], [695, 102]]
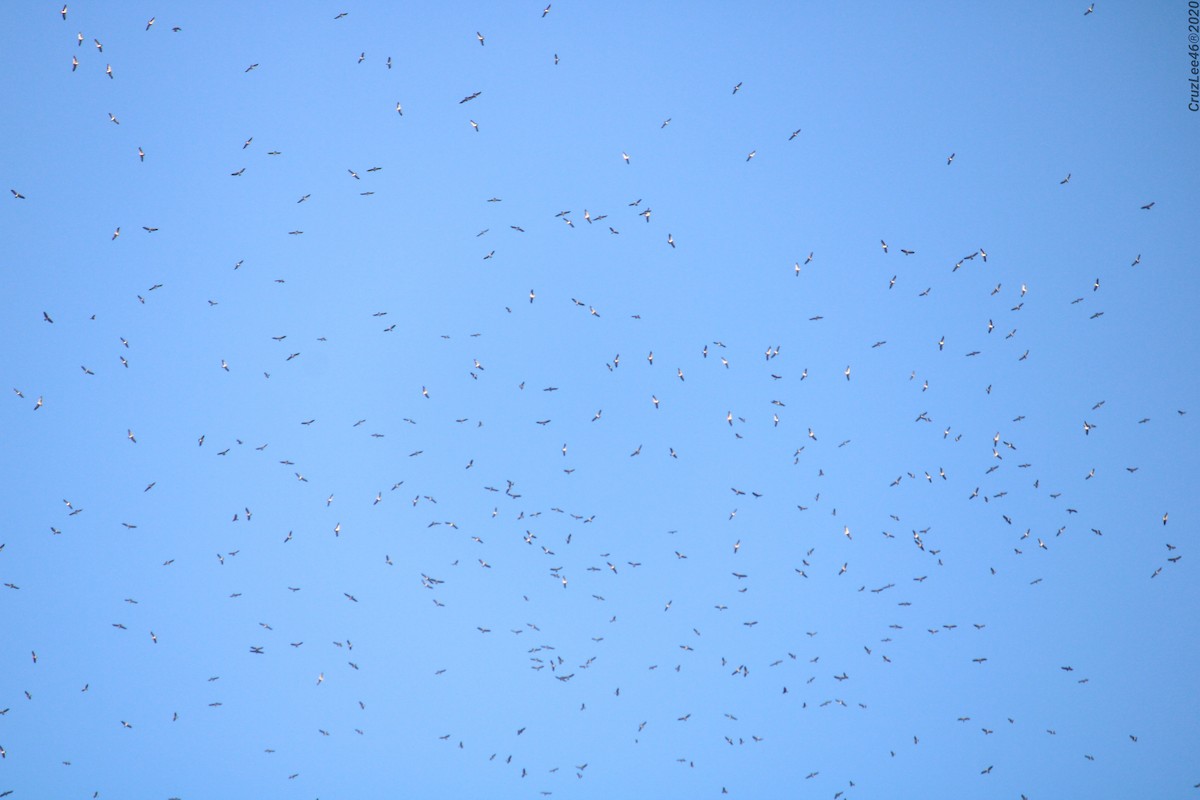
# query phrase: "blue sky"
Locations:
[[642, 522]]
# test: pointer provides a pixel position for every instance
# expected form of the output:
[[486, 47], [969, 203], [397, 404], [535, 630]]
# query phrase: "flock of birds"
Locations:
[[497, 531]]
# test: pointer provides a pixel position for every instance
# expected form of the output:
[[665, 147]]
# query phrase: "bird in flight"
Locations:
[[479, 36]]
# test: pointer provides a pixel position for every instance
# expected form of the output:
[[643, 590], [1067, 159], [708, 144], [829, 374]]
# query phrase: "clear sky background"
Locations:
[[594, 444]]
